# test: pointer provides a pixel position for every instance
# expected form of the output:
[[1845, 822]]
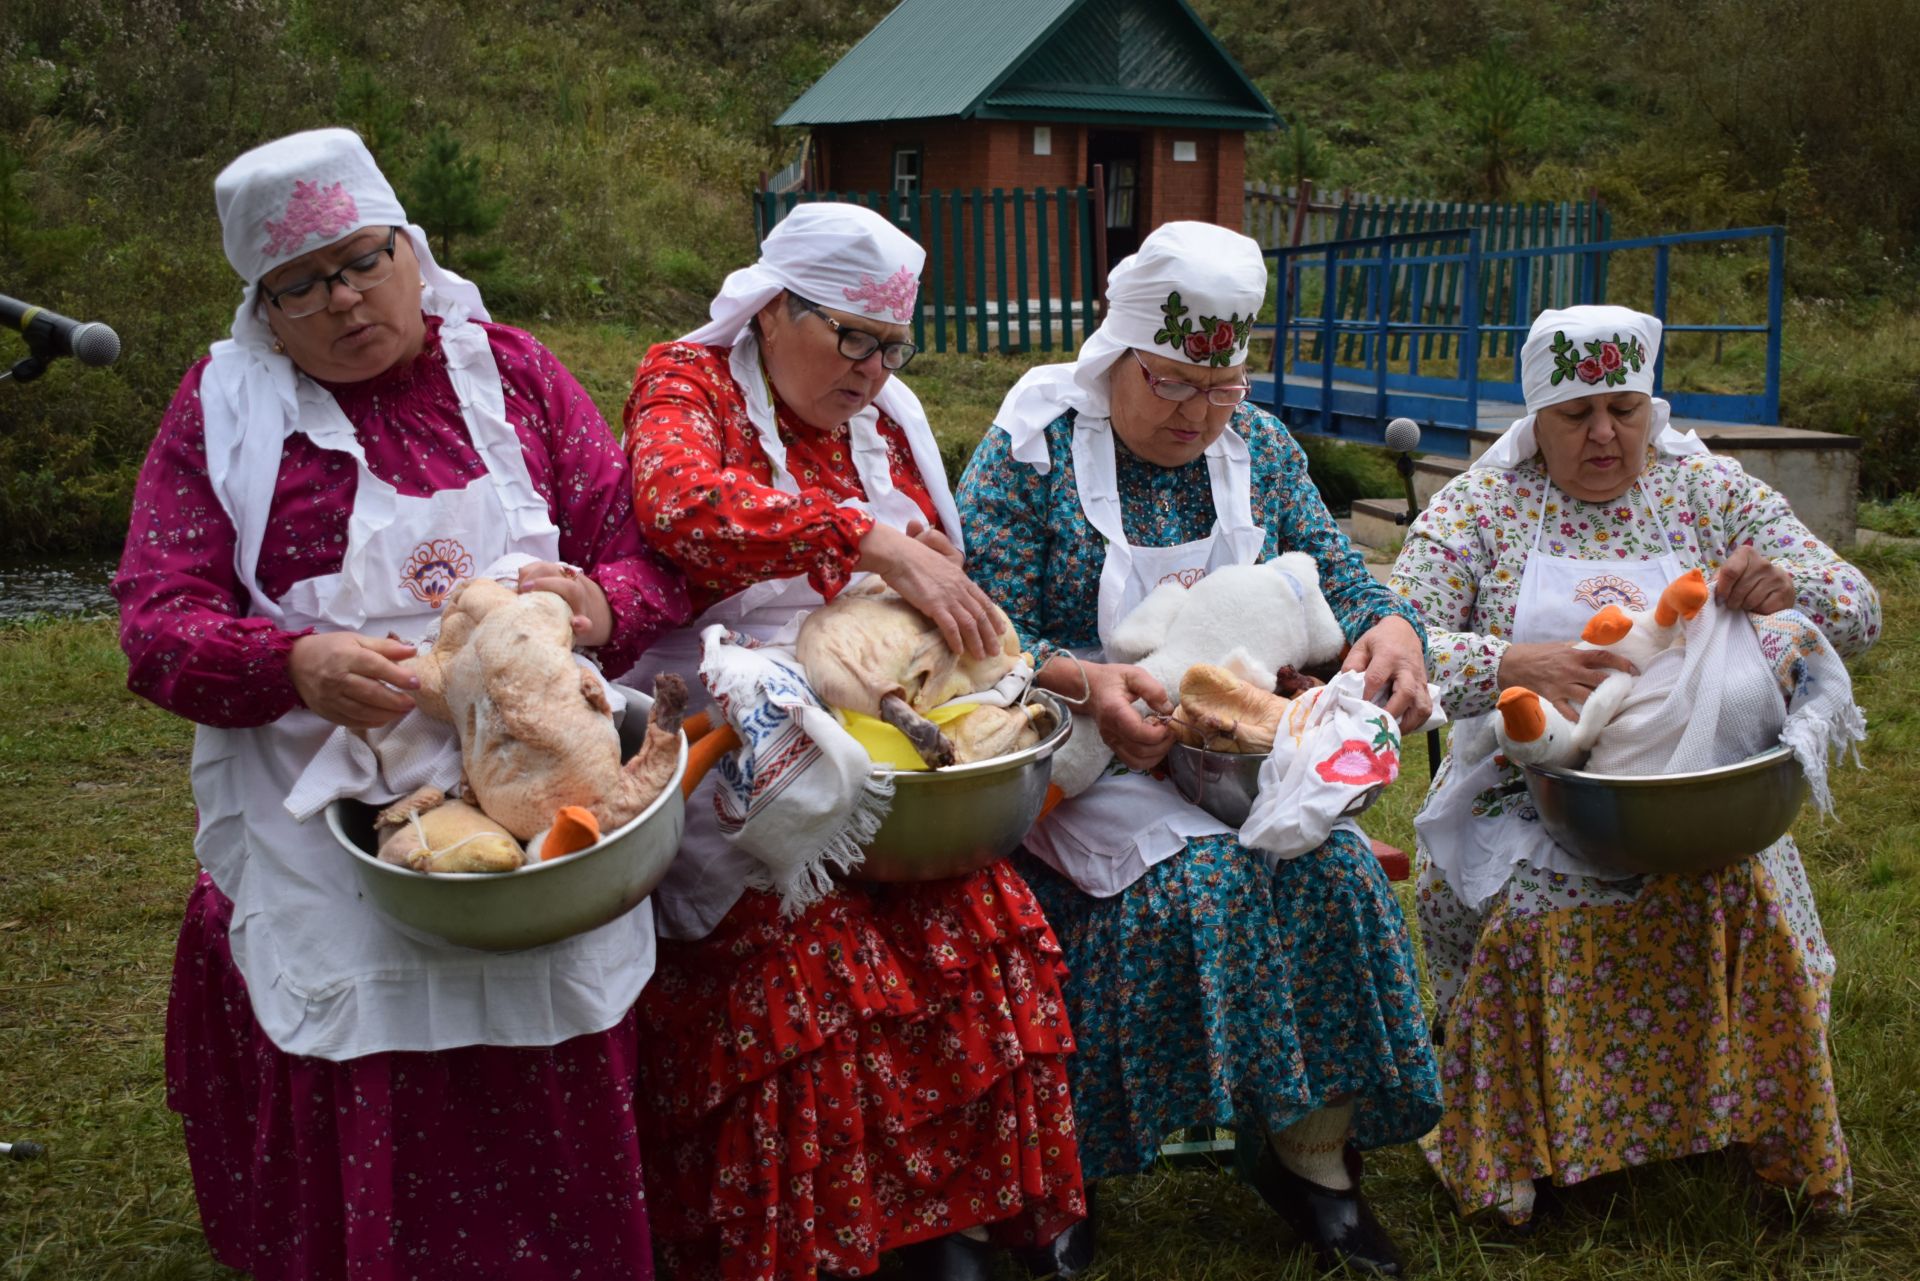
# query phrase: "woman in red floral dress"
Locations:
[[884, 1069]]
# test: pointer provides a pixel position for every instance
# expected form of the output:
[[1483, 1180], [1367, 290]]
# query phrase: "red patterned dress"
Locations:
[[887, 1066]]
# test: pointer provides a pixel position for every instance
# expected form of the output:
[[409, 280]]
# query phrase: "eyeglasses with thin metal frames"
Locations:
[[857, 344], [309, 297], [1175, 390]]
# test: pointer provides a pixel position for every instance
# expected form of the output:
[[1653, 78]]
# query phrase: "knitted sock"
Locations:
[[1313, 1146], [1518, 1207]]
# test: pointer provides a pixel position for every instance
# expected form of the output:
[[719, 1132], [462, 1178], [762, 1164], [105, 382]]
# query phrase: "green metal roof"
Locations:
[[1137, 61]]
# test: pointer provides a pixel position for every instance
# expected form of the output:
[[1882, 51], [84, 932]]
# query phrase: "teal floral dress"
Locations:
[[1210, 992]]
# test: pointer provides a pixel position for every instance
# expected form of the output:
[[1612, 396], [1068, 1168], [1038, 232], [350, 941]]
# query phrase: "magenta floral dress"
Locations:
[[480, 1161], [1591, 1024]]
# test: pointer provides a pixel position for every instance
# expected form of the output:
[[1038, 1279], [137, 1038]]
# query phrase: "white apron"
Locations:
[[1106, 838], [327, 974], [1558, 595], [709, 874]]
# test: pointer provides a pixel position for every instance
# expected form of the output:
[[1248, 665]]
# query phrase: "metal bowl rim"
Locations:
[[1206, 752], [1752, 765], [531, 869], [1063, 725]]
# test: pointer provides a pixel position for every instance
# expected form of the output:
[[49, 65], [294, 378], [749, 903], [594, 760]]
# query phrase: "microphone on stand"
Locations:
[[50, 335], [1403, 437]]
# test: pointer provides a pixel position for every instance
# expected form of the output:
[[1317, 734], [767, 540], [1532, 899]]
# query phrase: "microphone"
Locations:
[[50, 335], [21, 1151], [1403, 437]]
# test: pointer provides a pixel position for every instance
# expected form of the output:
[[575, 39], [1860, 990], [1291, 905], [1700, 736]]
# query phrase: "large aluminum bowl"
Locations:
[[542, 903], [1648, 824], [952, 821], [1225, 783]]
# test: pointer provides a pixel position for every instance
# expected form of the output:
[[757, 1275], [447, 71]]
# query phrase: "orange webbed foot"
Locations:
[[1684, 597], [1609, 624], [1523, 714], [574, 829]]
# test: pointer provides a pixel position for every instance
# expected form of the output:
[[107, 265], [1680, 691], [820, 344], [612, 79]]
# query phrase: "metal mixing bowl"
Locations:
[[952, 821], [1225, 783], [1644, 824], [541, 903]]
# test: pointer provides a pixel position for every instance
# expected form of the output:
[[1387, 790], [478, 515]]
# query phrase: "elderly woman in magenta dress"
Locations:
[[1205, 990], [1592, 1023], [358, 1103]]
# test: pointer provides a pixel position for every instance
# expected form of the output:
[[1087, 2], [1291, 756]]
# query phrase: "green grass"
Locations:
[[1899, 515], [97, 862]]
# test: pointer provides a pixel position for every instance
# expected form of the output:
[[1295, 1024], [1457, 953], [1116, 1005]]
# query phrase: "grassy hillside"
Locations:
[[619, 141]]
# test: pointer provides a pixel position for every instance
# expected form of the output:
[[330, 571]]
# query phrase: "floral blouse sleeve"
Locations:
[[1003, 514], [1827, 589], [1297, 520], [703, 490], [577, 465], [191, 646], [1439, 570]]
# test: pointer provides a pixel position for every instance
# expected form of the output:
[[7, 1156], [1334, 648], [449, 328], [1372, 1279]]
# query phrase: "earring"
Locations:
[[279, 348]]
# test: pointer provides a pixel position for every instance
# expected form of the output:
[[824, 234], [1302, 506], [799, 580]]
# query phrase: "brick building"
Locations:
[[949, 95]]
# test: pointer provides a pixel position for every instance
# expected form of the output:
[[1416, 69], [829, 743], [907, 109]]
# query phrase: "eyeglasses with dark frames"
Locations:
[[857, 344], [309, 297], [1225, 395]]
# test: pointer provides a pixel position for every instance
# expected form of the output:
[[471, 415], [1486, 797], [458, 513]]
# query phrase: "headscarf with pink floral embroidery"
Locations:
[[1191, 294], [852, 260]]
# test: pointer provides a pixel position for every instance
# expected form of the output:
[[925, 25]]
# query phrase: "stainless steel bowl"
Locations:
[[952, 821], [1225, 783], [542, 903], [1698, 822]]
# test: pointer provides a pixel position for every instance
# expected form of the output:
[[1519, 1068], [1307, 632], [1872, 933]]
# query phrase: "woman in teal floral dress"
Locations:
[[1205, 990]]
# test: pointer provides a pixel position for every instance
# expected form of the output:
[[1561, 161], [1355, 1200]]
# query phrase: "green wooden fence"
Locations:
[[1006, 270]]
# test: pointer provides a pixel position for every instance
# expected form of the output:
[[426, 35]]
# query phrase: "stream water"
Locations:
[[64, 588]]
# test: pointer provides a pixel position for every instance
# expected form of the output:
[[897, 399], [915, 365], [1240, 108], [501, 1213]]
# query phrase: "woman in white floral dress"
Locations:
[[1589, 1025]]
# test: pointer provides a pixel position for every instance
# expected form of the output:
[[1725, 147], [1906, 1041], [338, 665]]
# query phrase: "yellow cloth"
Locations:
[[887, 745]]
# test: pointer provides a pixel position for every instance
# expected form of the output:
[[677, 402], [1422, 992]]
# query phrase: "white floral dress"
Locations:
[[1595, 1024]]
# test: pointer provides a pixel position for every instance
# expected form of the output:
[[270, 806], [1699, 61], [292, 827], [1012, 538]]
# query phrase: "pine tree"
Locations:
[[444, 194]]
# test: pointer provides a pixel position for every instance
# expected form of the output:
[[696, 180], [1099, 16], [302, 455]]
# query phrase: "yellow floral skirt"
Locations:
[[1593, 1025]]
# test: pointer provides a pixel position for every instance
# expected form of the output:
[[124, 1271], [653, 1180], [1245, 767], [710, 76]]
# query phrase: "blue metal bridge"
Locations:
[[1429, 325]]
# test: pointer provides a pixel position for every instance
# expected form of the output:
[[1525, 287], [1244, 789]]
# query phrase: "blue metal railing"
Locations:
[[1420, 304]]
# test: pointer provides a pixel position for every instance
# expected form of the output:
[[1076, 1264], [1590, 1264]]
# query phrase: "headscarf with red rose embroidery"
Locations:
[[1190, 294], [1587, 351]]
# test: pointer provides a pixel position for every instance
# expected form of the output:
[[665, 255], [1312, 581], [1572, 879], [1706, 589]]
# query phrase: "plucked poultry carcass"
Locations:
[[432, 832], [536, 731], [871, 652], [1220, 712]]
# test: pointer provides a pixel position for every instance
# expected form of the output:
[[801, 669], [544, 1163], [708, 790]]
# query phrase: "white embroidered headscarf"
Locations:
[[1585, 351], [850, 259], [283, 199], [1190, 294]]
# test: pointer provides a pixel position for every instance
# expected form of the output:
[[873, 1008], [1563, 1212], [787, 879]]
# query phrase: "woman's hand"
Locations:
[[1390, 655], [1747, 580], [592, 616], [1560, 673], [935, 539], [925, 570], [1111, 689], [344, 678]]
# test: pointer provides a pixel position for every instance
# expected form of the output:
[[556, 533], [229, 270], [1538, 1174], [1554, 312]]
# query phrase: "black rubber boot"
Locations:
[[954, 1257], [1067, 1255], [1338, 1224]]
